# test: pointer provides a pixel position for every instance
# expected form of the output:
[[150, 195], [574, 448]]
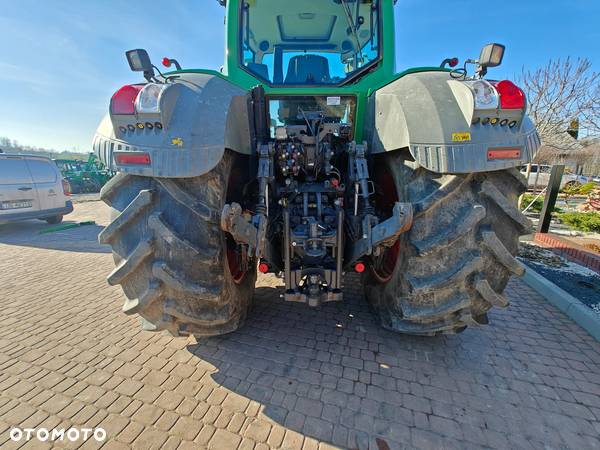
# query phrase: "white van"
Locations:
[[32, 187]]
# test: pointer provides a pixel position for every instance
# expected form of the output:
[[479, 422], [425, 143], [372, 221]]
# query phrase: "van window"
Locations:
[[42, 171], [14, 171]]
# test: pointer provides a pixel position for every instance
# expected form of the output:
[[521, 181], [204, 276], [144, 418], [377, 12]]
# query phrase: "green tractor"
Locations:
[[308, 156], [84, 176]]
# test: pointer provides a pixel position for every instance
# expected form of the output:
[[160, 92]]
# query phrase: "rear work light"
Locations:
[[484, 93], [140, 159], [123, 102], [511, 97], [148, 100]]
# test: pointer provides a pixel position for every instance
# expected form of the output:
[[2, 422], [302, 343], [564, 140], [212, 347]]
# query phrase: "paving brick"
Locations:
[[169, 400], [129, 387], [166, 421], [258, 430], [130, 432], [186, 428], [90, 394], [309, 407], [147, 414], [206, 433], [224, 439], [150, 439]]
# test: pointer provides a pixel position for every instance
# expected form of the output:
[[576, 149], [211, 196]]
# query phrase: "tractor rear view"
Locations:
[[310, 157]]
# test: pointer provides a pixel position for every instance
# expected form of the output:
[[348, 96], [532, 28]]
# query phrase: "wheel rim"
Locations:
[[234, 262], [383, 266]]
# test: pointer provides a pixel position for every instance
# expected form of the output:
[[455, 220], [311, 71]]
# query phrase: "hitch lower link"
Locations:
[[384, 234]]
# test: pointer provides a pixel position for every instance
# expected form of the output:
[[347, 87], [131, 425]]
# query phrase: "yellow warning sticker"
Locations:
[[461, 137], [177, 141]]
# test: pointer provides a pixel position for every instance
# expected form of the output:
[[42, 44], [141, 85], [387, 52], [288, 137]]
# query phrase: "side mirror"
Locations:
[[139, 61], [491, 56]]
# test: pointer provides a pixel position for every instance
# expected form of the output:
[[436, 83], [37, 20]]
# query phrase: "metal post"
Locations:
[[550, 199]]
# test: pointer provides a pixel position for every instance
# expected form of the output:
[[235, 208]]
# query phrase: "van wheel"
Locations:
[[54, 220]]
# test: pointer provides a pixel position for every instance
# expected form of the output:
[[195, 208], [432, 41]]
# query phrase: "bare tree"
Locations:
[[559, 93]]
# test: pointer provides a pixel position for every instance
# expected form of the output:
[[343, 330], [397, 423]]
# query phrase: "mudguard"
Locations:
[[202, 115], [432, 115]]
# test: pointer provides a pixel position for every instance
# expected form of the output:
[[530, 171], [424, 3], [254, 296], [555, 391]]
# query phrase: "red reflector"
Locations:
[[453, 62], [166, 62], [511, 97], [133, 158], [504, 153], [263, 268], [123, 102], [359, 267]]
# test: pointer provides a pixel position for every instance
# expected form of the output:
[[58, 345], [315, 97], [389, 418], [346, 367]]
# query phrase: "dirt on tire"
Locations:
[[172, 259], [452, 267]]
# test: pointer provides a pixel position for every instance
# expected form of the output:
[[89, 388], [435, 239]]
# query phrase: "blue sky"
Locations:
[[60, 61]]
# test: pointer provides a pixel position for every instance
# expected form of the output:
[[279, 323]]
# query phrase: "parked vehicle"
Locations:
[[32, 187], [308, 155], [542, 180]]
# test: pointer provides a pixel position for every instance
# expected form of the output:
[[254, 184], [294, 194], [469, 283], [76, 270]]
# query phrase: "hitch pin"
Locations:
[[356, 199]]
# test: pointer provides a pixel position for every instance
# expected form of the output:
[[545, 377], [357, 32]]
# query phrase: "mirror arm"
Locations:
[[149, 75]]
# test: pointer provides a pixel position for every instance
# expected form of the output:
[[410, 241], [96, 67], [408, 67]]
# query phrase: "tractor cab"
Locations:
[[309, 42]]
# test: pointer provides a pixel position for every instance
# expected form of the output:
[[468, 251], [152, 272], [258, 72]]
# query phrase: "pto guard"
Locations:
[[207, 115], [431, 114]]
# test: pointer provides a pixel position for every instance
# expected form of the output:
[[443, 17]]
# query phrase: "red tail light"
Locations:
[[166, 62], [123, 102], [359, 267], [511, 97], [263, 267], [66, 187], [142, 159]]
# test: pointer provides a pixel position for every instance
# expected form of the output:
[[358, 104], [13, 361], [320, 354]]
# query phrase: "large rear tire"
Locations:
[[178, 269], [453, 265]]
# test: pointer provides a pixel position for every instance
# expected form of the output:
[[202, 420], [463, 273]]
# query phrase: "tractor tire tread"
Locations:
[[459, 255], [170, 253]]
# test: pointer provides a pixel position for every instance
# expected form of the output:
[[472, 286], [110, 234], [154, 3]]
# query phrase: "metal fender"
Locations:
[[432, 115], [200, 116]]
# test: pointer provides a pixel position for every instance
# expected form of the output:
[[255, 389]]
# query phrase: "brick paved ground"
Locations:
[[292, 378]]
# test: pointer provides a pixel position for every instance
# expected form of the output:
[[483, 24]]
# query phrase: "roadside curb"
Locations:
[[581, 314]]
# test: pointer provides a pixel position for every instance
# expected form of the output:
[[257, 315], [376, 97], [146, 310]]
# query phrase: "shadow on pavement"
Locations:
[[330, 373], [27, 234]]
